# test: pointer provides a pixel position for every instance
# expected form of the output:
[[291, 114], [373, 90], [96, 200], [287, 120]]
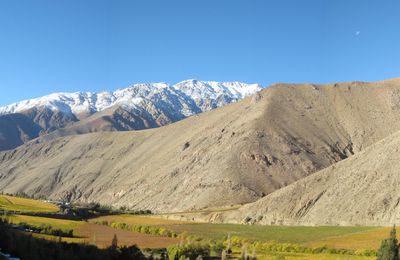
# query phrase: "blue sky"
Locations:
[[70, 45]]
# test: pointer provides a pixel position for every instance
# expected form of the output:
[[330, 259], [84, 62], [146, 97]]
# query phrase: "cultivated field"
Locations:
[[281, 234], [91, 232], [102, 236], [39, 221], [10, 203], [294, 256], [355, 238], [370, 239]]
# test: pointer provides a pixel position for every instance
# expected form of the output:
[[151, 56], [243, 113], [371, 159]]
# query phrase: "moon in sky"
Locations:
[[357, 33]]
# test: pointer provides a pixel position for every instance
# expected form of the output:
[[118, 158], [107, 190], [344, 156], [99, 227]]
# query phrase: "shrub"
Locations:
[[389, 249], [216, 248], [191, 251]]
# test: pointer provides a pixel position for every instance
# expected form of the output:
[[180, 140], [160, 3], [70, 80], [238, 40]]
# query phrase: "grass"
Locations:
[[370, 239], [103, 235], [10, 203], [138, 220], [63, 239], [38, 221], [93, 234], [281, 234], [299, 256], [333, 237], [356, 238]]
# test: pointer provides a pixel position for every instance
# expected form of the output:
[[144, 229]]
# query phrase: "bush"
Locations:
[[389, 249], [216, 248], [47, 230], [191, 251], [151, 230]]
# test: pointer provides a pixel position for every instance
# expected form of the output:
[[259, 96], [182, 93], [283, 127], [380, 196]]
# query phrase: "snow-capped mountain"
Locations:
[[137, 107], [191, 96]]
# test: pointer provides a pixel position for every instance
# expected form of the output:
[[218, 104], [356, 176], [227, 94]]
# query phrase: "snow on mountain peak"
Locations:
[[189, 96]]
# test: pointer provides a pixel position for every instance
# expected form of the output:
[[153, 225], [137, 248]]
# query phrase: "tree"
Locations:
[[229, 247], [223, 255], [254, 257], [389, 249], [243, 255], [114, 242], [94, 242]]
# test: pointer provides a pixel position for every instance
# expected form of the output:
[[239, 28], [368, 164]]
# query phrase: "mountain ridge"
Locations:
[[240, 153], [137, 107], [88, 102]]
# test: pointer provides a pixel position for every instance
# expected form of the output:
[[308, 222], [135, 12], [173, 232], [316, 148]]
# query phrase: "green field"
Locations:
[[333, 237], [39, 221], [294, 256], [281, 234], [10, 203]]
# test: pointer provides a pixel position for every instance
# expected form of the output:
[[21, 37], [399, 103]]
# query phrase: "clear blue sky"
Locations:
[[90, 45]]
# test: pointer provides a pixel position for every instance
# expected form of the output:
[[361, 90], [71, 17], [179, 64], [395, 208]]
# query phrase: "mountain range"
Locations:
[[137, 107], [293, 154]]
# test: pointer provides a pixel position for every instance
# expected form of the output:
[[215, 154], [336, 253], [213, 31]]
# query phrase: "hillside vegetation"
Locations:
[[11, 203], [154, 233]]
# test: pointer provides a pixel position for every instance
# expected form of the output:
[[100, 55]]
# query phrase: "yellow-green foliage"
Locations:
[[138, 220], [144, 229], [10, 203], [282, 234], [355, 238], [369, 239], [302, 256], [191, 251], [57, 238], [40, 221], [272, 246]]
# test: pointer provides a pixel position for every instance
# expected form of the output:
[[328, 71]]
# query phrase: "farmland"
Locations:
[[11, 203], [369, 239], [100, 231], [315, 236], [38, 221], [102, 236]]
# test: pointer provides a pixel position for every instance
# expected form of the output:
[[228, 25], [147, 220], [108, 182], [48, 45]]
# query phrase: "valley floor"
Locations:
[[150, 231]]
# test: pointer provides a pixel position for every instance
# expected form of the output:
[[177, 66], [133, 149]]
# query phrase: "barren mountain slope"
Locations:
[[137, 107], [361, 190], [235, 154], [116, 118], [19, 128]]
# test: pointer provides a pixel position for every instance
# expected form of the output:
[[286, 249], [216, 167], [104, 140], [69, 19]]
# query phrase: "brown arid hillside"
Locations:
[[361, 190], [19, 128], [232, 155], [113, 119]]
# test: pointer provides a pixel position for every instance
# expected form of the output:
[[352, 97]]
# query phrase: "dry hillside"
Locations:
[[361, 190], [235, 154]]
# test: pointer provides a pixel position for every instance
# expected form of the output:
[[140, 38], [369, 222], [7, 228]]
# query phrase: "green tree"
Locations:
[[114, 242], [229, 247], [243, 255], [389, 249], [223, 255]]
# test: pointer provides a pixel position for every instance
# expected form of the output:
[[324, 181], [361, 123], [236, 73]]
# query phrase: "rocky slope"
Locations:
[[361, 190], [236, 154], [140, 106], [19, 128]]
